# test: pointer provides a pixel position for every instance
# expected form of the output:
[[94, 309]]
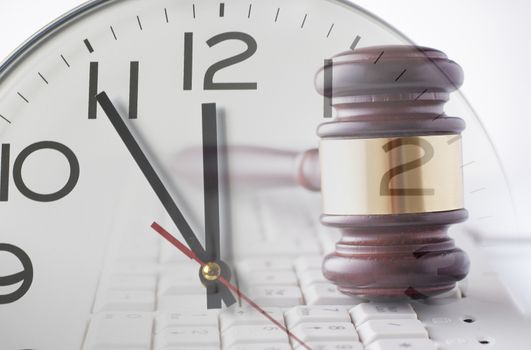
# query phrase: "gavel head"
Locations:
[[391, 172]]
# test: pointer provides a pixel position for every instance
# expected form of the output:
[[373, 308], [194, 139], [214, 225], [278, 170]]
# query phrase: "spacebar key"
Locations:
[[120, 330]]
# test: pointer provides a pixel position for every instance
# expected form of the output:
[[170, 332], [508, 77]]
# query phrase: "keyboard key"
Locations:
[[371, 331], [254, 264], [327, 294], [187, 269], [133, 268], [318, 332], [316, 313], [187, 337], [336, 345], [268, 278], [284, 296], [137, 253], [170, 254], [177, 283], [444, 298], [125, 301], [184, 287], [191, 319], [240, 335], [401, 344], [381, 311], [277, 222], [263, 346], [307, 278], [182, 302], [111, 330], [289, 247], [247, 316], [125, 282], [305, 263], [278, 216], [188, 347]]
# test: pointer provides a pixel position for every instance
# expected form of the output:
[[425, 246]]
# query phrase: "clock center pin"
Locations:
[[211, 271]]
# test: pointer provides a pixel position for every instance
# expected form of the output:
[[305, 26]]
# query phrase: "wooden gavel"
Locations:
[[391, 172], [389, 168]]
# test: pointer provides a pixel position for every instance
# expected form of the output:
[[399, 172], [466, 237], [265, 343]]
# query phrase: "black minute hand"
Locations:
[[216, 292], [210, 180], [150, 174]]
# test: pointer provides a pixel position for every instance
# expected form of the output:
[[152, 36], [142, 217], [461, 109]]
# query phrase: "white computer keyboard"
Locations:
[[150, 297]]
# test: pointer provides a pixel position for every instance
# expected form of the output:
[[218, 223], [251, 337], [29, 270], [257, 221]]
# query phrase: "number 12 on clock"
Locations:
[[209, 83]]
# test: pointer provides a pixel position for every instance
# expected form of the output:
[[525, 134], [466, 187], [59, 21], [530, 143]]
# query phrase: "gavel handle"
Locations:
[[258, 167]]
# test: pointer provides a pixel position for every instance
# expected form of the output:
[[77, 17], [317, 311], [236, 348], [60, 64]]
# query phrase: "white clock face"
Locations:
[[159, 61]]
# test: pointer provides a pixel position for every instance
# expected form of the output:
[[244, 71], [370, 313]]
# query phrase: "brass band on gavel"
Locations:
[[369, 176]]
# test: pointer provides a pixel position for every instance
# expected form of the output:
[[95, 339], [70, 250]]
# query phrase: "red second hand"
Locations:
[[170, 238], [189, 253]]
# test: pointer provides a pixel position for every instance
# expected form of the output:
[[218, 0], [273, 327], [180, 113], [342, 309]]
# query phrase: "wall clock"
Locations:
[[163, 67]]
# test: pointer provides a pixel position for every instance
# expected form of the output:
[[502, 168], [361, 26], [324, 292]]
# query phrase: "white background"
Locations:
[[488, 38]]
